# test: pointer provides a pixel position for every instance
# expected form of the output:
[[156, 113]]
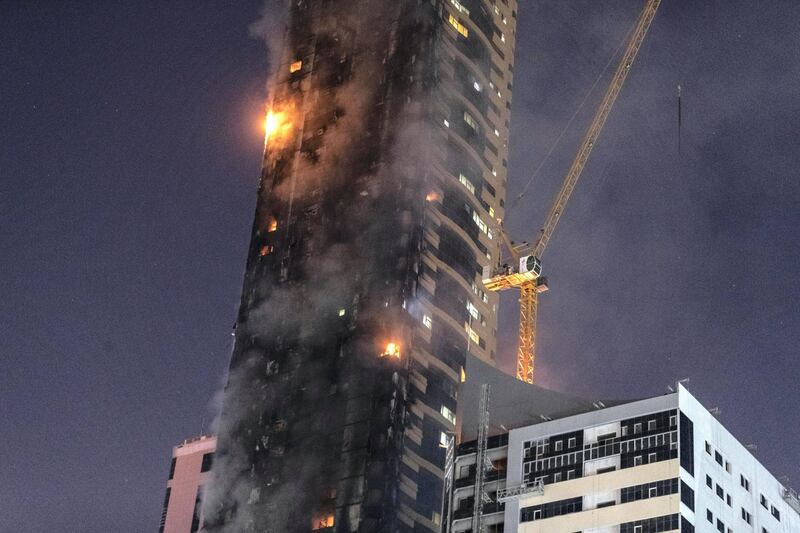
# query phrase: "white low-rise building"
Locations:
[[663, 464]]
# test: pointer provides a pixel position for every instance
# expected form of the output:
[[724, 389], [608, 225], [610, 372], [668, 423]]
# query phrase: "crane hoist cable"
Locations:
[[580, 107]]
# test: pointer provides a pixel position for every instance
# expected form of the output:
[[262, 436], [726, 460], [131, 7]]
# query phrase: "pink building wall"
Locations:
[[183, 485]]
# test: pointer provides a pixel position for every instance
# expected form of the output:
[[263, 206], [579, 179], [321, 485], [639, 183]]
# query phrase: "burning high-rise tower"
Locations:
[[385, 166]]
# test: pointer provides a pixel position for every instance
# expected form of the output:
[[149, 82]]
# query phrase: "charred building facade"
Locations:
[[385, 166]]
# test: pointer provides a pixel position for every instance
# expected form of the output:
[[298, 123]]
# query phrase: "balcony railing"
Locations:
[[791, 497], [512, 493]]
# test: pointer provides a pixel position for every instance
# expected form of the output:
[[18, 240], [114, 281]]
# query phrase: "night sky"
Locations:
[[130, 147]]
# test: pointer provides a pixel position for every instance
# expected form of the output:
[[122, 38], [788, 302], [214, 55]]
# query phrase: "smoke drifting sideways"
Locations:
[[358, 192]]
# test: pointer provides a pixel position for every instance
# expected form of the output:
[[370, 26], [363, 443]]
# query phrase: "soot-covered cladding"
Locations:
[[313, 424]]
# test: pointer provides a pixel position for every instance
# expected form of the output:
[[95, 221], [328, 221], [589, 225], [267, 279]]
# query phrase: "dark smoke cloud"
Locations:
[[344, 261]]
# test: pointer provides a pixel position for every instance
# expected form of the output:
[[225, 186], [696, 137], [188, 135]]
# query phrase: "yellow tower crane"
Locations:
[[525, 270]]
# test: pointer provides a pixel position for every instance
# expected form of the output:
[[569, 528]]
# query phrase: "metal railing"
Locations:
[[791, 497], [513, 493]]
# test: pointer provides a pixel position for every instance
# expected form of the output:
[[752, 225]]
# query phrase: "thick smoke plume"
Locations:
[[346, 209]]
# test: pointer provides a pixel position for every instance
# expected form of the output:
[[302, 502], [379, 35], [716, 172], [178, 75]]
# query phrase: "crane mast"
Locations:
[[525, 271]]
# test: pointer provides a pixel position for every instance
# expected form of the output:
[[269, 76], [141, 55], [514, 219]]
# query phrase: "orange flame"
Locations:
[[392, 350], [272, 123]]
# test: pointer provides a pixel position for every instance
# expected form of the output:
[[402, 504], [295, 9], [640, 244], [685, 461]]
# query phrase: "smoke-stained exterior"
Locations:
[[372, 226]]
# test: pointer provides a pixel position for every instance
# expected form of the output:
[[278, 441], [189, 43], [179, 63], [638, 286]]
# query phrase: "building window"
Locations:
[[687, 444], [709, 516], [208, 461], [459, 7], [172, 468], [708, 482], [744, 482], [708, 448], [651, 425], [764, 502], [557, 477], [776, 513], [466, 183], [471, 121], [559, 445], [687, 495], [652, 458], [473, 336], [728, 499], [673, 421], [479, 222], [473, 311], [728, 468], [637, 427], [720, 493], [637, 461], [427, 321], [443, 441], [720, 526], [747, 517], [572, 442], [460, 28], [718, 457], [448, 414]]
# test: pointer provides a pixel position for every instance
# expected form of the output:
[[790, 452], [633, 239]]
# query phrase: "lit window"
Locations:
[[473, 311], [474, 337], [322, 521], [460, 7], [503, 37], [466, 183], [491, 212], [448, 414], [477, 86], [427, 321], [296, 66], [460, 28], [478, 222], [443, 439], [496, 133], [463, 375], [471, 121], [342, 312]]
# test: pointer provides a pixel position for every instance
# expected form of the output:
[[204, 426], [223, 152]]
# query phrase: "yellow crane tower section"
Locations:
[[525, 270]]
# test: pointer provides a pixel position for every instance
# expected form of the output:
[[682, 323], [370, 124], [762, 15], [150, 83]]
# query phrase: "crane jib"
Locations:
[[529, 281]]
